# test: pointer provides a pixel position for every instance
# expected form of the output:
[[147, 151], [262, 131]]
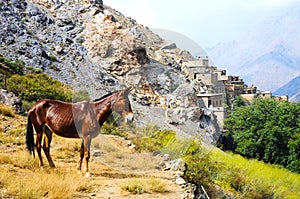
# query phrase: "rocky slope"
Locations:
[[266, 56], [93, 47]]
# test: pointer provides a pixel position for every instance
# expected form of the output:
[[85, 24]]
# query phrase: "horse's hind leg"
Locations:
[[46, 145], [39, 137], [80, 158]]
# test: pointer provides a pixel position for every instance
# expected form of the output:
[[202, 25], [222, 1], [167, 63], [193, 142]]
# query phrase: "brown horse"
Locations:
[[73, 120]]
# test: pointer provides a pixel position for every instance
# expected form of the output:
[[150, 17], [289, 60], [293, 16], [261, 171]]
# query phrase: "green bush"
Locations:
[[14, 67], [199, 164], [144, 185], [111, 129], [176, 148], [153, 139], [34, 87], [30, 69]]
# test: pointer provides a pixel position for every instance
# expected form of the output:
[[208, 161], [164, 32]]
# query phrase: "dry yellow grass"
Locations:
[[7, 111], [121, 156], [21, 177], [37, 184], [144, 185]]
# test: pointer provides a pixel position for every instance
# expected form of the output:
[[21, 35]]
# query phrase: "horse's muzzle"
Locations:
[[129, 118]]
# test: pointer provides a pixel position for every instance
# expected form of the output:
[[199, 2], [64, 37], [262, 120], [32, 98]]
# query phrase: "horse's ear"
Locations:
[[128, 90], [125, 92]]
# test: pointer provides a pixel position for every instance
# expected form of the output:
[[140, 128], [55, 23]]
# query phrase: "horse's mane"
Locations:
[[104, 96]]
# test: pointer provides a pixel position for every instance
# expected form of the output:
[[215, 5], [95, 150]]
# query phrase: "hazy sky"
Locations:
[[207, 22]]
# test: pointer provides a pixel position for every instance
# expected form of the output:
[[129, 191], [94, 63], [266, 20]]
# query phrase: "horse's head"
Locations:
[[122, 105]]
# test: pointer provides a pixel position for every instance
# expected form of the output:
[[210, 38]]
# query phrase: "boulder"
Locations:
[[174, 116], [9, 99], [180, 181], [180, 115], [178, 165], [186, 91]]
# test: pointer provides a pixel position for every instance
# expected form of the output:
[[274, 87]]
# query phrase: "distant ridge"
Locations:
[[268, 56], [292, 89]]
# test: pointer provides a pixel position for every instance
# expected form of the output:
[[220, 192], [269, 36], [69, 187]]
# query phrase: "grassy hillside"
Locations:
[[252, 178]]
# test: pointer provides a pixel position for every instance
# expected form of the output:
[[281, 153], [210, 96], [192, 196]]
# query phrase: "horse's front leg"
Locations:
[[81, 157], [87, 145]]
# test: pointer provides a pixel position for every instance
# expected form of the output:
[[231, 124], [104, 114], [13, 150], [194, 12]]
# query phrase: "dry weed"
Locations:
[[144, 185], [6, 110]]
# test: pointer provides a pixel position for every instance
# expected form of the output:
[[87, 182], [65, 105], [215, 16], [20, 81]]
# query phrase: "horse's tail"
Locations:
[[29, 136]]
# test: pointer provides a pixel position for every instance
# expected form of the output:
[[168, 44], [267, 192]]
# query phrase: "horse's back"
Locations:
[[66, 119], [71, 119]]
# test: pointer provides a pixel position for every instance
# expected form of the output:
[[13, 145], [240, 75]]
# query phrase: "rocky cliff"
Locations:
[[93, 47]]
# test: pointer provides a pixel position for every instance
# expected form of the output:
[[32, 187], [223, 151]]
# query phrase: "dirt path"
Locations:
[[119, 166]]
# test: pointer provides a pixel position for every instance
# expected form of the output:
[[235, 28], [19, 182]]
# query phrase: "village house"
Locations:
[[209, 85], [216, 91], [201, 72]]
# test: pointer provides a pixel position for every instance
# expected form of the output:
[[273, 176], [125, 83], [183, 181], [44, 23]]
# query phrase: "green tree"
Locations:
[[294, 153], [238, 102], [267, 130]]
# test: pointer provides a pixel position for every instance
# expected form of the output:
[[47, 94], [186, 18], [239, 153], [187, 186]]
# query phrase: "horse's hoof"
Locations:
[[87, 174], [79, 172]]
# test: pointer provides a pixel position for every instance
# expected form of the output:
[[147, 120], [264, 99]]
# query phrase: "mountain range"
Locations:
[[268, 56]]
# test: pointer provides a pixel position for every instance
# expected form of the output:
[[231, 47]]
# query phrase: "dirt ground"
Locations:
[[118, 165]]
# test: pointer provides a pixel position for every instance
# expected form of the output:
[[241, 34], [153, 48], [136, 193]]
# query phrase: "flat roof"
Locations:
[[209, 94]]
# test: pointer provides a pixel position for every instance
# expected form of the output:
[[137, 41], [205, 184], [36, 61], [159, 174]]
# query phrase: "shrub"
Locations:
[[176, 148], [199, 164], [111, 129], [154, 139], [16, 67], [34, 87], [29, 32], [53, 58], [140, 186]]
